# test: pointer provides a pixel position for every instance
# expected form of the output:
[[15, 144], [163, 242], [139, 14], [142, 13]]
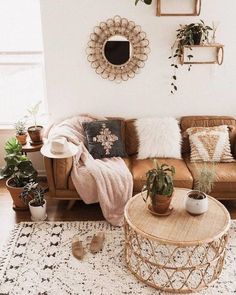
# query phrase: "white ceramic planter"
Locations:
[[196, 206], [38, 213]]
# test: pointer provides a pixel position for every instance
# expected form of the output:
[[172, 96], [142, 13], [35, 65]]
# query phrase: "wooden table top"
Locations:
[[28, 148], [179, 228]]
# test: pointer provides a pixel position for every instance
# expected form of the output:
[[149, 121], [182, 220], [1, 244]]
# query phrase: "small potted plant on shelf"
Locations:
[[159, 187], [21, 133], [37, 204], [35, 131], [19, 171], [196, 201], [192, 34]]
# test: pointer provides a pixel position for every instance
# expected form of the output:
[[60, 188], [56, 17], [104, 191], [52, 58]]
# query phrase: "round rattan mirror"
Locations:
[[117, 49]]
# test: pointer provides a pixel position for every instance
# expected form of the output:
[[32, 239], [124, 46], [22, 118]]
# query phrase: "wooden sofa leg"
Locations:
[[71, 204]]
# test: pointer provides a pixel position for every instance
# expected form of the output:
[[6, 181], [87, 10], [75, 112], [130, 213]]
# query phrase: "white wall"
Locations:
[[73, 87]]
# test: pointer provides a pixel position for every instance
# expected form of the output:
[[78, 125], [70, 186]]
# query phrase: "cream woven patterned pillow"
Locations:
[[210, 144]]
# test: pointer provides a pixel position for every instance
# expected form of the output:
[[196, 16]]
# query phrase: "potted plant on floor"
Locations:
[[19, 170], [192, 34], [21, 133], [35, 131], [197, 201], [37, 205], [159, 187]]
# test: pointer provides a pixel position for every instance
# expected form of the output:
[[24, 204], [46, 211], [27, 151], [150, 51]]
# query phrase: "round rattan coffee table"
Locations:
[[178, 253]]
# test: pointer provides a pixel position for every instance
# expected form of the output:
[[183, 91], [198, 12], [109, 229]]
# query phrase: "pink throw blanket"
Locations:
[[107, 181]]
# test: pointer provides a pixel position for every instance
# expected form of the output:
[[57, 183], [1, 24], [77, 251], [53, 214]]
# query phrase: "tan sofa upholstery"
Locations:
[[61, 185]]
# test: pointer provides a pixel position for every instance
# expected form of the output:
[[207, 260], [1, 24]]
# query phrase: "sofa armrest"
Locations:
[[48, 163], [58, 172]]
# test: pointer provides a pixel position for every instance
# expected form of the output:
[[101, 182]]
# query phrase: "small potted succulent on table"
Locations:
[[21, 133], [35, 131], [19, 171], [37, 204], [197, 201], [159, 188]]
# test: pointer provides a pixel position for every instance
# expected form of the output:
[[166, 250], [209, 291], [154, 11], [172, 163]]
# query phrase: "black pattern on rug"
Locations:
[[38, 261]]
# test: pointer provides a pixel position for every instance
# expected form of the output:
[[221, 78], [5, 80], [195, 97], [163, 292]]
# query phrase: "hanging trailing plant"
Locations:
[[192, 34]]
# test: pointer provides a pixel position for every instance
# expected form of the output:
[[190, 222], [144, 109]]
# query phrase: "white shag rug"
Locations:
[[37, 260]]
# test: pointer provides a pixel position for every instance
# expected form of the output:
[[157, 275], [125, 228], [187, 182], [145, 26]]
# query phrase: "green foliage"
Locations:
[[33, 112], [148, 2], [18, 166], [20, 127], [34, 191], [159, 181], [205, 178], [186, 35]]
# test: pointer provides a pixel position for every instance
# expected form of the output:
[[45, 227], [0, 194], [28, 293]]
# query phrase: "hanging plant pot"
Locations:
[[38, 213], [35, 133], [196, 202], [197, 37]]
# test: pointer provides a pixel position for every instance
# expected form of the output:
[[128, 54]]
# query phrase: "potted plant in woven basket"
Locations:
[[21, 133], [159, 187], [19, 171], [197, 201], [37, 204], [35, 131]]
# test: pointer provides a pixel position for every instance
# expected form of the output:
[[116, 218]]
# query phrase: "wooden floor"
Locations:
[[57, 211]]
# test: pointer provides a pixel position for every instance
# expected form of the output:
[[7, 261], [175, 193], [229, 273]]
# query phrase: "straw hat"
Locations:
[[59, 148]]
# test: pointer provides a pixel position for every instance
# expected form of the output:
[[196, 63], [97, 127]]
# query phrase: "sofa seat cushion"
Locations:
[[225, 180], [182, 178]]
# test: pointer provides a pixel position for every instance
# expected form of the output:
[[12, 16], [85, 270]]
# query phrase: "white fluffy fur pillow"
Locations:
[[158, 138]]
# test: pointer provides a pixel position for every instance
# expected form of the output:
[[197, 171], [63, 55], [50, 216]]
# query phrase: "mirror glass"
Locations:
[[117, 50]]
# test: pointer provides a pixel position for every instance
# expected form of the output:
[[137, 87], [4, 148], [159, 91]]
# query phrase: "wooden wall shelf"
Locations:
[[219, 54], [196, 9]]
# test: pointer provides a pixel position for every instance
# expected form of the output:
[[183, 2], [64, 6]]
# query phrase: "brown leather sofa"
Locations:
[[59, 170]]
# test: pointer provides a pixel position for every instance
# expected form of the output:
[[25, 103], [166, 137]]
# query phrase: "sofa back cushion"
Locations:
[[131, 137], [206, 121]]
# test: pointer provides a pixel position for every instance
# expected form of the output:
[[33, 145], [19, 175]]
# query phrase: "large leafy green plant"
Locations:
[[192, 34], [18, 166], [34, 191], [159, 181]]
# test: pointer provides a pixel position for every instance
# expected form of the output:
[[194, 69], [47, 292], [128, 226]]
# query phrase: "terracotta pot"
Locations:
[[194, 205], [38, 213], [21, 138], [35, 134], [160, 203], [18, 204]]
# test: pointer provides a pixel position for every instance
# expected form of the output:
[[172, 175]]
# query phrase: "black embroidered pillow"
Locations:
[[104, 138]]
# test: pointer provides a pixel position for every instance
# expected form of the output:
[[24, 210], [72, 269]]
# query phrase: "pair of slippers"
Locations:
[[96, 245]]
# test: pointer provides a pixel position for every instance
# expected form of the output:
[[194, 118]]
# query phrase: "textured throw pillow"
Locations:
[[158, 138], [210, 144], [104, 138]]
